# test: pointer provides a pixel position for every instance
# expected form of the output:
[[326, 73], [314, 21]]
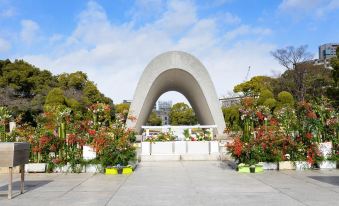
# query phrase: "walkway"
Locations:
[[179, 183]]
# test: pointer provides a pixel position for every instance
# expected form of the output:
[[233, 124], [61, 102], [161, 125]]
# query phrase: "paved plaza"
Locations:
[[178, 183]]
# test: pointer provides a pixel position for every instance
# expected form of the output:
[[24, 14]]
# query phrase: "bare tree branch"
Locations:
[[289, 57]]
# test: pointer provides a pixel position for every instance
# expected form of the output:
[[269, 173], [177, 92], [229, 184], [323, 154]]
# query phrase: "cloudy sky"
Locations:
[[113, 40]]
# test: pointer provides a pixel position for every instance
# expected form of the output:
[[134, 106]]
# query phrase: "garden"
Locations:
[[64, 140], [283, 135]]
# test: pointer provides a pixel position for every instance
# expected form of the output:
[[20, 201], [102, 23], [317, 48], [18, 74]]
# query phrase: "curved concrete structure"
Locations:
[[181, 72]]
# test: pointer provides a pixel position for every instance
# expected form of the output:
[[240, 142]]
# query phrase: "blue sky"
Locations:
[[113, 41]]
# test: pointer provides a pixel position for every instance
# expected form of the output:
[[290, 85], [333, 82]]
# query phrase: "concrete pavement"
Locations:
[[178, 183]]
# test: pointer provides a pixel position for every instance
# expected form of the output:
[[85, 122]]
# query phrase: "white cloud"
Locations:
[[246, 30], [315, 8], [229, 18], [29, 31], [7, 12], [4, 45], [114, 55]]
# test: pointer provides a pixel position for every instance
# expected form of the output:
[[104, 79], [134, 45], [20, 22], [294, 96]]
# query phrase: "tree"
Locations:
[[285, 99], [122, 110], [154, 120], [264, 95], [255, 85], [232, 117], [55, 97], [289, 57], [294, 59], [270, 103], [306, 81], [333, 90], [182, 114]]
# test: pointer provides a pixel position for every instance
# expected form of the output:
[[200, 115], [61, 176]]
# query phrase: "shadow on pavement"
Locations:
[[333, 180], [29, 186]]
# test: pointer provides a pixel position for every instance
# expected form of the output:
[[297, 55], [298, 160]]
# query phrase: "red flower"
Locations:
[[311, 115], [36, 149], [273, 122], [57, 160], [91, 132], [44, 140], [71, 139], [260, 116], [309, 135], [53, 148], [237, 147]]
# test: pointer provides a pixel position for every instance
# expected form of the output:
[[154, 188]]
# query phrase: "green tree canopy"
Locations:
[[232, 116], [154, 120], [182, 114], [55, 97], [333, 90], [264, 95], [285, 99], [255, 85]]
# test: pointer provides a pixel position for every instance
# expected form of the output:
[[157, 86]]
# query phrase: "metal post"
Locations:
[[22, 185], [10, 183]]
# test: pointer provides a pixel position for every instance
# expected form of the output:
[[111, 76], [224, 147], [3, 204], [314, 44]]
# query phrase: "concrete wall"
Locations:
[[181, 72]]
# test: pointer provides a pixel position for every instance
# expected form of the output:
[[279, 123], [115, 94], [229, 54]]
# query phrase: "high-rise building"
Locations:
[[327, 51]]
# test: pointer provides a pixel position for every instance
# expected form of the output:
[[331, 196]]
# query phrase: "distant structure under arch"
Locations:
[[181, 72]]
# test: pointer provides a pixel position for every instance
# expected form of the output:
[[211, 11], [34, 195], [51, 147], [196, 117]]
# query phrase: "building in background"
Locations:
[[127, 101], [229, 101], [327, 51], [163, 110]]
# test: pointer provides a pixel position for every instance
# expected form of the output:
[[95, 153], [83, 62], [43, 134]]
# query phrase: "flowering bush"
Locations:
[[284, 134], [60, 135], [161, 137]]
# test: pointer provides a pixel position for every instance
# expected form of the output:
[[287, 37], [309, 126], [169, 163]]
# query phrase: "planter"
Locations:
[[127, 170], [258, 168], [286, 165], [145, 148], [88, 153], [247, 169], [269, 165], [243, 169], [198, 147], [302, 165], [93, 168], [111, 171], [214, 147], [180, 147], [325, 149], [162, 148], [67, 168], [115, 171], [328, 164], [35, 167]]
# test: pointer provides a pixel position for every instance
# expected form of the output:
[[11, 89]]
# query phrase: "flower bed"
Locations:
[[298, 138], [69, 141]]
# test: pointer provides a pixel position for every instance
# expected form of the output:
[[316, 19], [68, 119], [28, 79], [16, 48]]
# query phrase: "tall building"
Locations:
[[327, 51]]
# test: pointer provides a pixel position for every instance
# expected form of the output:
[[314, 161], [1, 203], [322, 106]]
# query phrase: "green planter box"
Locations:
[[246, 169], [115, 171]]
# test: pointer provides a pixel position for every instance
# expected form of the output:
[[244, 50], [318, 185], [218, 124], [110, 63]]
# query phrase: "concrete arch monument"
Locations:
[[181, 72]]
